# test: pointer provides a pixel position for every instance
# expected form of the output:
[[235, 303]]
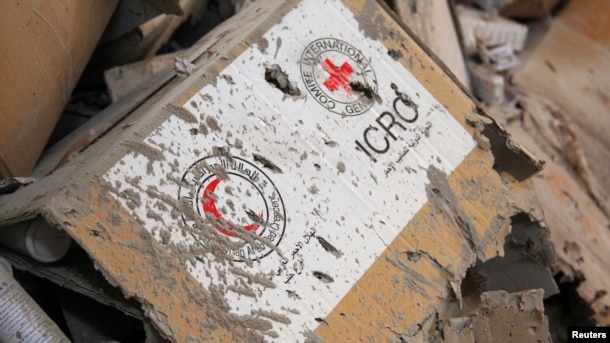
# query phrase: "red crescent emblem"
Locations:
[[209, 206]]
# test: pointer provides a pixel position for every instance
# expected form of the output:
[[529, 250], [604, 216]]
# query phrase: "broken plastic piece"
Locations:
[[183, 67]]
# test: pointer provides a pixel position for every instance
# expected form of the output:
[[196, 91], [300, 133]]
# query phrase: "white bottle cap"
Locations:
[[37, 239], [46, 243]]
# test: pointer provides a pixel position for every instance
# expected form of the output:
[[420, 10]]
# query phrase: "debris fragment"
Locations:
[[278, 78], [323, 277], [490, 30], [183, 67], [487, 85], [502, 317], [267, 164]]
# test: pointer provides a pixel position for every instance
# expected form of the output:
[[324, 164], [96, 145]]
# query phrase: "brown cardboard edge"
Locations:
[[413, 280], [128, 257], [201, 54], [5, 171], [73, 272], [512, 157], [76, 156], [52, 197], [58, 214]]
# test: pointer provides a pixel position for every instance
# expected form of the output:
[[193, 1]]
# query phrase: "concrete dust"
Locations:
[[256, 325], [444, 200], [479, 122], [395, 54], [182, 113], [198, 241], [518, 317], [365, 91], [340, 167], [213, 124], [262, 44], [152, 154], [323, 277]]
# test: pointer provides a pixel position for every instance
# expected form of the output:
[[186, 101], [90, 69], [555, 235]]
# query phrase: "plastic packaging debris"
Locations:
[[499, 58], [21, 319], [490, 30], [487, 85]]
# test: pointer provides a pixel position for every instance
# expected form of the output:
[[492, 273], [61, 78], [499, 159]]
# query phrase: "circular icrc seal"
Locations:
[[338, 76], [240, 196]]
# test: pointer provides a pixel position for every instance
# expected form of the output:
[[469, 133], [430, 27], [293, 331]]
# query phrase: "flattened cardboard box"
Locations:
[[315, 178]]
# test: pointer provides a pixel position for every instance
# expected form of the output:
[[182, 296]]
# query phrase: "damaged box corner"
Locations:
[[502, 317], [569, 68], [568, 124], [303, 181]]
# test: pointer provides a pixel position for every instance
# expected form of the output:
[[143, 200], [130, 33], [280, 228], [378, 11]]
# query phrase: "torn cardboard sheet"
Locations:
[[122, 80], [91, 130], [526, 264], [569, 67], [579, 229], [129, 15], [235, 209], [140, 43], [76, 272], [561, 136], [502, 317], [486, 84]]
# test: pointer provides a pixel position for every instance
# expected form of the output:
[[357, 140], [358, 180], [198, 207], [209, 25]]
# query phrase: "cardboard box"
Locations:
[[527, 9], [486, 84], [304, 183], [499, 58], [522, 9], [489, 30], [44, 51], [143, 41], [122, 80]]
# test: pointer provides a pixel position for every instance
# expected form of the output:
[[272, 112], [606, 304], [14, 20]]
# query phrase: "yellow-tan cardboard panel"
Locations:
[[45, 49], [304, 182]]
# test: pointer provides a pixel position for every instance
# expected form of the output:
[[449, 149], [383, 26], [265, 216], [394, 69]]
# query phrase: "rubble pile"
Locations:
[[305, 171]]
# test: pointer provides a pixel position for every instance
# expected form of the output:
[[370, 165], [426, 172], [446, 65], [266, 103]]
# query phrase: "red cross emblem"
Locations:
[[339, 76]]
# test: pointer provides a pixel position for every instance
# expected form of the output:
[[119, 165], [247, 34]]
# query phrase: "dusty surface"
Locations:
[[577, 224], [502, 317], [398, 297], [581, 92]]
